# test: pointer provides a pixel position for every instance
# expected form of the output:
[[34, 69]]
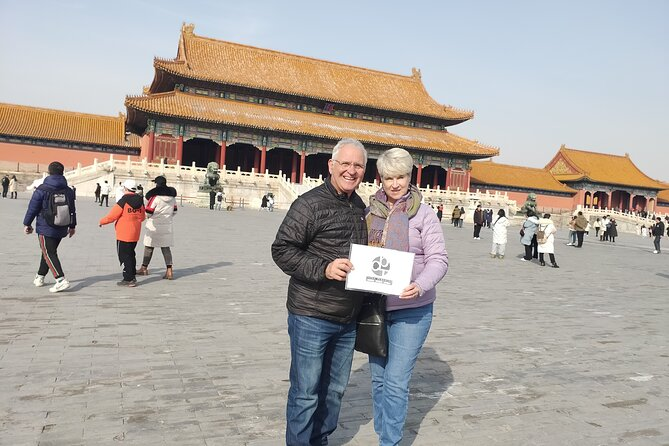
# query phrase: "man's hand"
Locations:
[[28, 229], [410, 292], [70, 232], [338, 269]]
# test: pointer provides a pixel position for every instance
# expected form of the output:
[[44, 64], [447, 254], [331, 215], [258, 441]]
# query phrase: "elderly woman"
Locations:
[[396, 219]]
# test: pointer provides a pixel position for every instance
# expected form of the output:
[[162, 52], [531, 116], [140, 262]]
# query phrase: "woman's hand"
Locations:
[[411, 292]]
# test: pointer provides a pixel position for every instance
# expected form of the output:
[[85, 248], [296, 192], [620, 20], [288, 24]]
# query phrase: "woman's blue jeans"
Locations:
[[407, 331], [321, 355]]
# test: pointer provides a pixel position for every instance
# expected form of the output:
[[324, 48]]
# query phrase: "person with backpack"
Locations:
[[127, 216], [52, 203]]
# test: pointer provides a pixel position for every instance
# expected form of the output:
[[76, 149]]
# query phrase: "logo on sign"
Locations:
[[380, 266]]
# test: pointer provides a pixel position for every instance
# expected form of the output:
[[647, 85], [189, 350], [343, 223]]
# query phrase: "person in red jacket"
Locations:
[[128, 214]]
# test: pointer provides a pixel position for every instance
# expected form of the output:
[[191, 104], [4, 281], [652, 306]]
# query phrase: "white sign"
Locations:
[[379, 270]]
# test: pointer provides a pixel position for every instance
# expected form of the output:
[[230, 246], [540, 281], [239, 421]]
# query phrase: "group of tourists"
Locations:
[[458, 216], [52, 206]]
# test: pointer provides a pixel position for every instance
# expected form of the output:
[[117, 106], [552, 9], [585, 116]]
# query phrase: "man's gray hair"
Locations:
[[393, 162], [349, 142]]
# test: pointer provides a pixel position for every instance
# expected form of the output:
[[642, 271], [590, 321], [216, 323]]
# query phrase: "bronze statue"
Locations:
[[530, 204]]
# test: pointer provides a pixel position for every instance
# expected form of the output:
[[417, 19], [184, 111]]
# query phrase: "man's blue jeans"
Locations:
[[407, 331], [321, 355]]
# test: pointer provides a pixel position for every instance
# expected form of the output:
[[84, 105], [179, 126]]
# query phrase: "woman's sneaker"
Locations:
[[39, 280], [60, 285]]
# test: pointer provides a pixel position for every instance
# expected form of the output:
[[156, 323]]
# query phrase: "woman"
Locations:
[[572, 231], [396, 219], [612, 230], [527, 234], [160, 209], [547, 243], [499, 231], [13, 184], [597, 225]]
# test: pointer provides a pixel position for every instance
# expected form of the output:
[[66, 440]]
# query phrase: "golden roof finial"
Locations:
[[187, 28], [415, 73]]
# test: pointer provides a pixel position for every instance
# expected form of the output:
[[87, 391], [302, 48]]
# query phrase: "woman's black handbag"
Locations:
[[372, 337]]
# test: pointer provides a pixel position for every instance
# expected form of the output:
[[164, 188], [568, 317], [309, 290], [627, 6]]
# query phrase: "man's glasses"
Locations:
[[347, 164]]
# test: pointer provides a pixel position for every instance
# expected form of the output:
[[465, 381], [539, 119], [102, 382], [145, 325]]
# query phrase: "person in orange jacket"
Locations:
[[128, 214]]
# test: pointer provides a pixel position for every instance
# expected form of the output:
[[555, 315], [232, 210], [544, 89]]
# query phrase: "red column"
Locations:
[[448, 178], [303, 162], [293, 168], [180, 148], [221, 156], [469, 177], [263, 159], [435, 180], [149, 151], [378, 177], [419, 175]]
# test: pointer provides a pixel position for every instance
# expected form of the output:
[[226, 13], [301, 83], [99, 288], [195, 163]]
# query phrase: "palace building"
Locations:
[[605, 181], [254, 109]]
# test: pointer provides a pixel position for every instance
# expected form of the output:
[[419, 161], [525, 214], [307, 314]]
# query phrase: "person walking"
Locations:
[[127, 214], [5, 186], [13, 185], [455, 217], [612, 231], [597, 225], [312, 246], [528, 233], [479, 221], [397, 220], [546, 240], [98, 188], [219, 200], [572, 231], [580, 226], [499, 235], [52, 226], [161, 207], [461, 222], [105, 190], [440, 212], [658, 232]]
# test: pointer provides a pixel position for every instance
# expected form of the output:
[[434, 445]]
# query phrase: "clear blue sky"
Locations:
[[593, 75]]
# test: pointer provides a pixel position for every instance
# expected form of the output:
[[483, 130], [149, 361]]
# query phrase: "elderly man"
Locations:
[[312, 246]]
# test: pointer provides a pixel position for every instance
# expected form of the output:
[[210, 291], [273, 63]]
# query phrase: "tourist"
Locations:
[[127, 215], [572, 231], [105, 190], [499, 235], [312, 246], [455, 217], [658, 232], [462, 217], [51, 229], [140, 190], [263, 203], [270, 202], [440, 212], [212, 199], [13, 185], [528, 234], [97, 192], [644, 231], [479, 221], [5, 186], [547, 242], [397, 220], [580, 225], [119, 192], [606, 224], [612, 231], [597, 225], [219, 200], [160, 207]]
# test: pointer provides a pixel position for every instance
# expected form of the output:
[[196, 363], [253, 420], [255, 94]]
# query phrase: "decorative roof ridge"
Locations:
[[487, 146], [564, 148], [490, 161], [159, 95], [58, 111]]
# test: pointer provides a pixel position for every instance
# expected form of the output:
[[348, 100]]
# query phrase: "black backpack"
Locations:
[[56, 211]]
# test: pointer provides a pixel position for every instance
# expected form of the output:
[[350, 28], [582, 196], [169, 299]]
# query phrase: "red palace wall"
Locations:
[[16, 154]]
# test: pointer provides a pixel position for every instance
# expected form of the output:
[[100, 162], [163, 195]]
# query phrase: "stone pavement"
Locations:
[[517, 354]]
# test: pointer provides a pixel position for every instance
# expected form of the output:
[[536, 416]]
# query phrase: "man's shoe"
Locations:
[[555, 265], [500, 257], [542, 263], [654, 252], [129, 283], [39, 280], [570, 244], [60, 285]]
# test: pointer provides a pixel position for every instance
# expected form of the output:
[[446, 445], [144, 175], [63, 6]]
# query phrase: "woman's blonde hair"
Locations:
[[393, 162]]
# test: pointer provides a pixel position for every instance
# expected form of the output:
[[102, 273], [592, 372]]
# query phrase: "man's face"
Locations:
[[347, 170]]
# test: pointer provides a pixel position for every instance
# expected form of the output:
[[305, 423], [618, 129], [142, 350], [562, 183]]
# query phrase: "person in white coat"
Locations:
[[499, 232], [547, 230], [160, 209]]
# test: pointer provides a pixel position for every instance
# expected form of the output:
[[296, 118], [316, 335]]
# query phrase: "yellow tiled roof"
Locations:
[[488, 172], [223, 111], [663, 196], [235, 64], [602, 168], [58, 125]]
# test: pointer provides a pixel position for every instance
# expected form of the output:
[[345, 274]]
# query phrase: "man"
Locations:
[[580, 225], [128, 215], [478, 222], [312, 246], [658, 232], [5, 186], [119, 192], [105, 189], [50, 232]]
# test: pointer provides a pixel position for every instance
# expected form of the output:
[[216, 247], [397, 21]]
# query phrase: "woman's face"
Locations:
[[395, 186]]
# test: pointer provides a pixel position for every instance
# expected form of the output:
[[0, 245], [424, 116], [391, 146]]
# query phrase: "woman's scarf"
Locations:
[[388, 227]]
